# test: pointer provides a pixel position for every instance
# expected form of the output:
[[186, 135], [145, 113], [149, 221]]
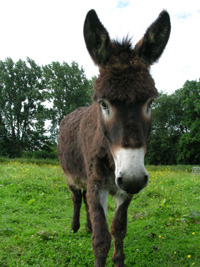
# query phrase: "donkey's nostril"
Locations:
[[146, 178], [119, 181], [132, 185]]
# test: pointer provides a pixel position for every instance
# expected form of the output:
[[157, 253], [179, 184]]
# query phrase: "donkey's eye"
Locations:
[[147, 108], [149, 105], [106, 108], [103, 105]]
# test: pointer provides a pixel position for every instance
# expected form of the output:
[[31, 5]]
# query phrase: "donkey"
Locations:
[[101, 148]]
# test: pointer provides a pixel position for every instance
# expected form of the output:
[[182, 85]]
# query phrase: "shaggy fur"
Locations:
[[86, 138]]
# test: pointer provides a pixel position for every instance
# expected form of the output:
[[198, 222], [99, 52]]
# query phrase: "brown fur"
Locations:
[[127, 83], [86, 138]]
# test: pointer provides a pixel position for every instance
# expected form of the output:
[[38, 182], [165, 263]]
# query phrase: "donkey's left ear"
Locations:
[[97, 39], [153, 43]]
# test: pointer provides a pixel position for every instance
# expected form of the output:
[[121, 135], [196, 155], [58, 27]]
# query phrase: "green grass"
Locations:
[[36, 211]]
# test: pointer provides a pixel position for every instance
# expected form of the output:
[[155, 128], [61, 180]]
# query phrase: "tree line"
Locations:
[[175, 135], [34, 99]]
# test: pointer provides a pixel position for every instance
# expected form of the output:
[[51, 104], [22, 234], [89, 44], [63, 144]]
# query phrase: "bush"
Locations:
[[41, 154]]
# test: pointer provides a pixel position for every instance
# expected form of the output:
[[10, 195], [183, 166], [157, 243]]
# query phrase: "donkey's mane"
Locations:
[[123, 45], [125, 77]]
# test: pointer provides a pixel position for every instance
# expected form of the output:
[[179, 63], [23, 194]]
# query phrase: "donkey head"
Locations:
[[124, 91]]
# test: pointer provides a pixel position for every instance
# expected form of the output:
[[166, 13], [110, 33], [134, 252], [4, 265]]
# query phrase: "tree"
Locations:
[[175, 135], [189, 143], [21, 109], [68, 89], [166, 130]]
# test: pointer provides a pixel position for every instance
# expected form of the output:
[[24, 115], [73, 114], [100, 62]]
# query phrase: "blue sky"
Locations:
[[123, 3], [52, 30]]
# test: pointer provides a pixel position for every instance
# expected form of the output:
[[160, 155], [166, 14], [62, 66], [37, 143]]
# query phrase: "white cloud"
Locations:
[[51, 30]]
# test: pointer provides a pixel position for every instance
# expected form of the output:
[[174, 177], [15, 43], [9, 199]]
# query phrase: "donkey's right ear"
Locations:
[[97, 39]]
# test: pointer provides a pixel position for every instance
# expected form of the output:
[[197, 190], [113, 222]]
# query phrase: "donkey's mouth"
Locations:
[[132, 186]]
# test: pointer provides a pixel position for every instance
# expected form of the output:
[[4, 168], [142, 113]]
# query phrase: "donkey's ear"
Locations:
[[97, 39], [151, 46]]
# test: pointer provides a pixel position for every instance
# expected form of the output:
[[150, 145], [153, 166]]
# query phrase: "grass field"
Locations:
[[36, 211]]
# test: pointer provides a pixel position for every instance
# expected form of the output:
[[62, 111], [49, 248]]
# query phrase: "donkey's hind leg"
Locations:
[[76, 196], [88, 224]]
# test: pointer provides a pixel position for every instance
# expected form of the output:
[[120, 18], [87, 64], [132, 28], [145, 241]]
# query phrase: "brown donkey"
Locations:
[[101, 148]]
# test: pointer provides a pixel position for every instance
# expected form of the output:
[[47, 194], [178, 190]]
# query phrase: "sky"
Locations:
[[52, 30]]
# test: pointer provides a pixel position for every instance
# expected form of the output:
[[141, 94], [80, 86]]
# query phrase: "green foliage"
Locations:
[[68, 89], [31, 96], [166, 130], [21, 106], [175, 135], [40, 154], [36, 212], [190, 140], [34, 99]]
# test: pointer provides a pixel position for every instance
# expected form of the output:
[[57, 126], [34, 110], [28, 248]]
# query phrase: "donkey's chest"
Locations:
[[105, 182], [108, 184]]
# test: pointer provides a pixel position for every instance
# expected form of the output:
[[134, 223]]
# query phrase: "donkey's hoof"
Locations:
[[119, 264], [75, 228]]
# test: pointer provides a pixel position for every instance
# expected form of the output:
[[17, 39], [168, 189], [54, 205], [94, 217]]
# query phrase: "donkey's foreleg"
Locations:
[[88, 224], [76, 196], [118, 229], [101, 237]]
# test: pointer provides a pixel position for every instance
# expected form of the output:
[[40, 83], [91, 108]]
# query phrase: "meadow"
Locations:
[[36, 211]]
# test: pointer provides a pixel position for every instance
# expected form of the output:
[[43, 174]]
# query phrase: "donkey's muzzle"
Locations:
[[134, 185]]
